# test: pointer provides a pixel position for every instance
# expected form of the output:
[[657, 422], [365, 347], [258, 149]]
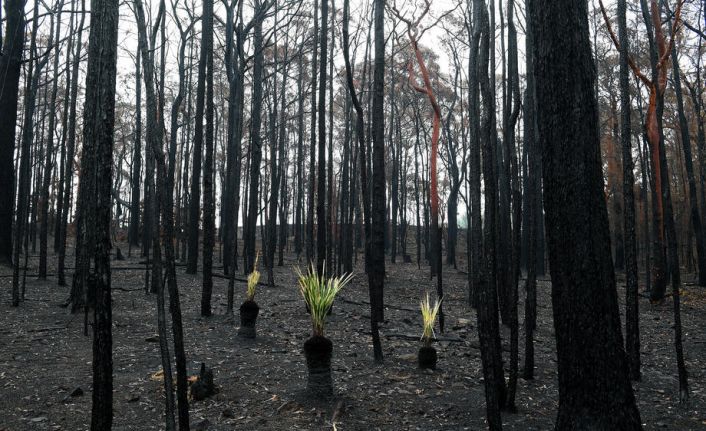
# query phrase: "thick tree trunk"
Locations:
[[594, 388], [10, 62]]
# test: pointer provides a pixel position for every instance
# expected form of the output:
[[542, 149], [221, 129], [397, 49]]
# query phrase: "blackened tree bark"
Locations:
[[255, 140], [70, 150], [34, 72], [99, 121], [691, 179], [376, 268], [360, 135], [594, 388], [10, 62], [63, 186], [475, 242], [321, 172], [632, 330], [154, 140], [312, 142], [532, 197], [49, 158], [166, 239], [134, 230], [513, 105], [488, 325], [299, 168], [208, 204], [195, 198]]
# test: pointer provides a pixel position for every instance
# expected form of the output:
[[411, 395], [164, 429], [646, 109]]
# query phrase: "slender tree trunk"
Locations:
[[48, 160], [208, 197], [375, 281], [376, 267], [632, 332]]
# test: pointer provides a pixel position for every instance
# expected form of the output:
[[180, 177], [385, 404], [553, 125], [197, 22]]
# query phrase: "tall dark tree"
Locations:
[[594, 387], [34, 72], [134, 229], [632, 331], [98, 127], [360, 134], [255, 139], [312, 142], [208, 190], [376, 267], [195, 198], [488, 325], [10, 62], [321, 172], [532, 197], [49, 157], [70, 150]]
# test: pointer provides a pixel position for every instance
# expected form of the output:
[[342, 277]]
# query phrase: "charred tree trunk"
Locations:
[[99, 121], [10, 62], [594, 388], [632, 332], [208, 194]]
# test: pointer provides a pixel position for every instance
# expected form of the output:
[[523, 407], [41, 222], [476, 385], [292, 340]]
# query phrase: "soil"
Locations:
[[45, 361]]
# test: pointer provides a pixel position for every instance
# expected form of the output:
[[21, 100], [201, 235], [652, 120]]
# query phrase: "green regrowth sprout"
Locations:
[[319, 293], [429, 313], [253, 278]]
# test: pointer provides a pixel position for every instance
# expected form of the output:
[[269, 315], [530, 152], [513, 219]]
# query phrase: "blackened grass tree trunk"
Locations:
[[49, 158], [208, 196], [98, 125], [70, 150], [360, 135], [632, 330], [594, 385], [10, 61]]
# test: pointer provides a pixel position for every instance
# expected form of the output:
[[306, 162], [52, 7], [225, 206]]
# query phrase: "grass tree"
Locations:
[[427, 354], [249, 309], [319, 294]]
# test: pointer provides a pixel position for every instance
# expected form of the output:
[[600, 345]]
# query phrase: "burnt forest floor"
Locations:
[[44, 357]]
